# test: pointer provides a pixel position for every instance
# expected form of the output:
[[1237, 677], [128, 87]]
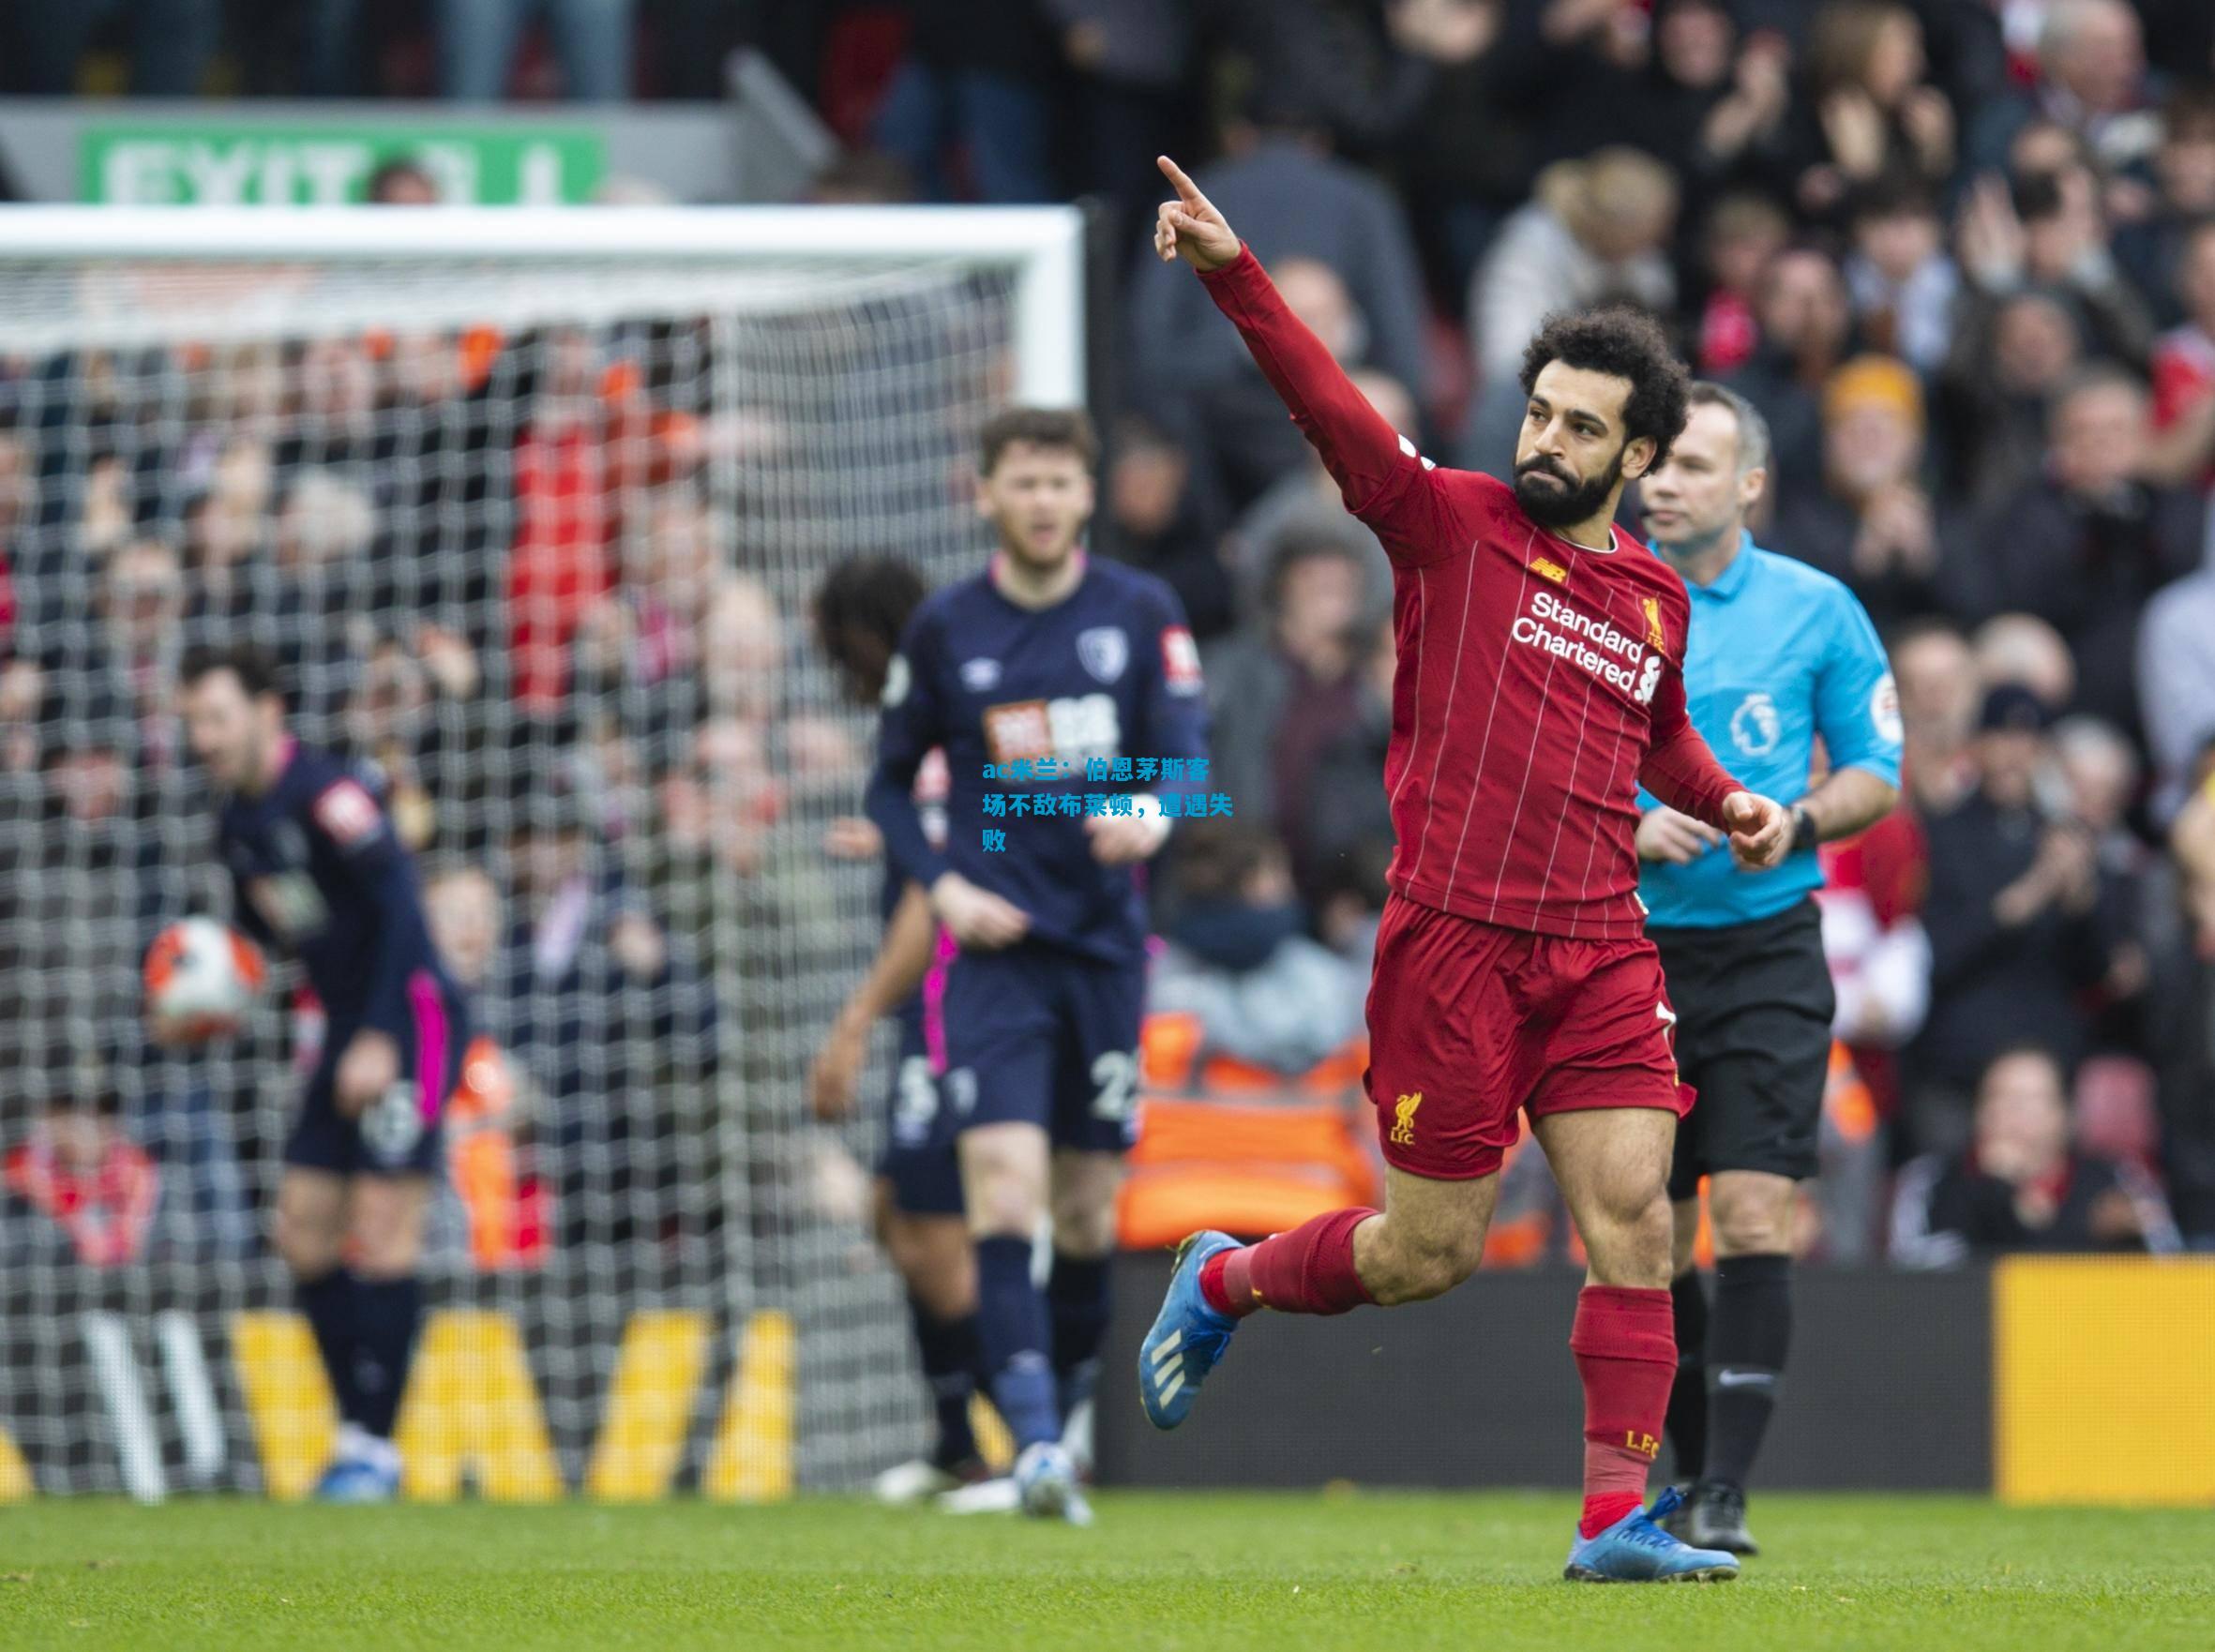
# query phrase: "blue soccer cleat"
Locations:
[[1187, 1338], [351, 1480], [1637, 1550]]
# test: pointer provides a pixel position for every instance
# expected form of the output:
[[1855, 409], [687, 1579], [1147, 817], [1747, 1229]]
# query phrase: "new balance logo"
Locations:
[[1547, 569], [1403, 1130]]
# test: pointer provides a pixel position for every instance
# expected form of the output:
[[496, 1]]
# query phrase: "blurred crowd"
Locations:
[[1961, 253], [477, 51]]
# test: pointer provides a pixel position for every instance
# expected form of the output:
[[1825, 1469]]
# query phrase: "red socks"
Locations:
[[1625, 1344], [1308, 1271], [1624, 1341]]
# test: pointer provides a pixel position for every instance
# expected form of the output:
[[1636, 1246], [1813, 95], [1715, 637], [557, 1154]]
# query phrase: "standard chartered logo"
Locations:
[[1591, 645]]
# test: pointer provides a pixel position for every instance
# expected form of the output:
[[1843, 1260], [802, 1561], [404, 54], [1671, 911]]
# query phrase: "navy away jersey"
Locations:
[[1096, 693], [321, 877]]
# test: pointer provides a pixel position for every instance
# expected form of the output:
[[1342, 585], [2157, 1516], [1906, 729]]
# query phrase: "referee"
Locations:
[[1779, 656]]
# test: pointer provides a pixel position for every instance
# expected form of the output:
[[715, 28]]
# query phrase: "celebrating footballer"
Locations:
[[1539, 687]]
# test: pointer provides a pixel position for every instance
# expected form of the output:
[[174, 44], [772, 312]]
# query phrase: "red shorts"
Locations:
[[1469, 1022]]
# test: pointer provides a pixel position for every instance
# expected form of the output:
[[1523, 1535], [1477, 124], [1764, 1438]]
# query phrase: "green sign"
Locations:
[[212, 163]]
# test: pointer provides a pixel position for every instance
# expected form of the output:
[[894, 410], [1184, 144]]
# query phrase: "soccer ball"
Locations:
[[201, 978]]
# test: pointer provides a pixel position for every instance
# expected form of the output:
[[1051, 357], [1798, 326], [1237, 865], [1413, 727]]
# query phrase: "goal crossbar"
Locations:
[[1042, 245]]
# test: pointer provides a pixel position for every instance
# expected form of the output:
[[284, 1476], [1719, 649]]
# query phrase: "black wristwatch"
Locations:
[[1806, 834]]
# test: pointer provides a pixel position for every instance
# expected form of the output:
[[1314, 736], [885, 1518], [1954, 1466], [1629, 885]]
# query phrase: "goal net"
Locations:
[[529, 506]]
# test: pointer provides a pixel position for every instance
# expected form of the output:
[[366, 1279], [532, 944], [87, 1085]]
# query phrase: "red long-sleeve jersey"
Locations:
[[1538, 682]]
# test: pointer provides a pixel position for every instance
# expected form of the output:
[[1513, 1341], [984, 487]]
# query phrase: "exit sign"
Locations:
[[211, 163]]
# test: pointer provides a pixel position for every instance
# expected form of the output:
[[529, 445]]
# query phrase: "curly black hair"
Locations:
[[1625, 343], [860, 610]]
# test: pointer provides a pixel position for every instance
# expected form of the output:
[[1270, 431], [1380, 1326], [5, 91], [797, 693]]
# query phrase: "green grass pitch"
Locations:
[[1307, 1574]]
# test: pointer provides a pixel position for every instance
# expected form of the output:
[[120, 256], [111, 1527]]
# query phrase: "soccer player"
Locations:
[[1538, 685], [1781, 655], [319, 875], [861, 608], [1056, 683]]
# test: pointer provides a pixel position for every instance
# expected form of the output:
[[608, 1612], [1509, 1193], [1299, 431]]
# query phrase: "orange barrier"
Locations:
[[1244, 1150]]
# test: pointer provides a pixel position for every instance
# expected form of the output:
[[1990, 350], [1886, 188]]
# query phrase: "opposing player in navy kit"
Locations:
[[1058, 685], [860, 610], [320, 876]]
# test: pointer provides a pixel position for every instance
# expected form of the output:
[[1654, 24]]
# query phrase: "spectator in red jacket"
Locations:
[[565, 516], [95, 1184]]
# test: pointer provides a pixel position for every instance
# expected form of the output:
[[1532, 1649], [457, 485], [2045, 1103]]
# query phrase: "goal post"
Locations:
[[530, 504]]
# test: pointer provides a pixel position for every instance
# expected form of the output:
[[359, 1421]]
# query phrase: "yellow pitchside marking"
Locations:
[[471, 1406], [15, 1475], [2099, 1393], [288, 1400], [751, 1461], [641, 1438]]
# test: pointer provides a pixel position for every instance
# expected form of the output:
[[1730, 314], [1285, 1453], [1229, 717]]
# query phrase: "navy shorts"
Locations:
[[919, 1159], [399, 1134], [1039, 1036]]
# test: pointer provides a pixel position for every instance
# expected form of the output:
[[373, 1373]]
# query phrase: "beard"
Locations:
[[1559, 503]]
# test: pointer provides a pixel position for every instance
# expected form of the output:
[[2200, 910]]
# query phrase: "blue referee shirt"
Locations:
[[1780, 654]]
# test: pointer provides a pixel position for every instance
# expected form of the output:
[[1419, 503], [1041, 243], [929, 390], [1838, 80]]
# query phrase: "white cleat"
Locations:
[[987, 1496], [1046, 1478], [907, 1483]]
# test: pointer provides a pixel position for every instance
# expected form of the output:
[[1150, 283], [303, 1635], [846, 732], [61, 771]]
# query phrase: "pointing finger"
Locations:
[[1188, 191]]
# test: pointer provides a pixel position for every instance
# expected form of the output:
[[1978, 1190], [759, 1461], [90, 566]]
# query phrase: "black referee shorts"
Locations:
[[1754, 1004]]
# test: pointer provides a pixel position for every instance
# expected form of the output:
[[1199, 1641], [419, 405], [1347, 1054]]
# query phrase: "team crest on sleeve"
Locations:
[[1179, 660], [1884, 711], [1654, 634], [348, 813], [934, 783], [897, 682], [1105, 651]]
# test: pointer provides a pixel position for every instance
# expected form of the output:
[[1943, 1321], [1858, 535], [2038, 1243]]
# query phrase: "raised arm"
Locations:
[[1384, 480]]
